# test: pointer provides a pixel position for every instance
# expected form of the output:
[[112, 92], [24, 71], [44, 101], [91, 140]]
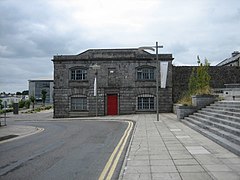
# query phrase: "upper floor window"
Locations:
[[145, 73], [78, 74]]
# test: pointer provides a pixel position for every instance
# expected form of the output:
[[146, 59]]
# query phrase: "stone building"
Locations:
[[232, 61], [125, 83]]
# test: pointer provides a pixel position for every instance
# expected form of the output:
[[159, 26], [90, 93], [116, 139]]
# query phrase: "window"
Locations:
[[78, 74], [79, 103], [146, 73], [145, 102]]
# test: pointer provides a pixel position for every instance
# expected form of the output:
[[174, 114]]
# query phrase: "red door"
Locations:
[[112, 104]]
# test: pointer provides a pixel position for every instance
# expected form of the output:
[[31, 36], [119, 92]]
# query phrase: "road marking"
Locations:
[[110, 167]]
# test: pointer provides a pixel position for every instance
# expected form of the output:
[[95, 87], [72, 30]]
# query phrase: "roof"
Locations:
[[112, 54], [229, 60], [41, 80]]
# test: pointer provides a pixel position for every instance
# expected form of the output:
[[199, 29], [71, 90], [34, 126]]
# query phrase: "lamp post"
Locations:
[[152, 48], [95, 88]]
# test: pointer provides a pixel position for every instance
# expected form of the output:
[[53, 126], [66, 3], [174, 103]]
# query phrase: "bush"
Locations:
[[21, 103], [27, 104], [186, 99]]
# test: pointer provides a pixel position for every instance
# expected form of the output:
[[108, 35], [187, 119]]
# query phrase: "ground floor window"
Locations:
[[146, 103], [79, 103]]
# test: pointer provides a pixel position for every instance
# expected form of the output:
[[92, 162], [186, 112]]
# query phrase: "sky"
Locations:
[[33, 31]]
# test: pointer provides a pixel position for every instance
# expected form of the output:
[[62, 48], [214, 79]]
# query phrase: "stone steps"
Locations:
[[220, 122]]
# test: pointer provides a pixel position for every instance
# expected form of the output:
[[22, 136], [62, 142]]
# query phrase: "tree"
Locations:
[[18, 93], [25, 92], [199, 82], [1, 106], [43, 92], [21, 103], [192, 82], [27, 103], [32, 99]]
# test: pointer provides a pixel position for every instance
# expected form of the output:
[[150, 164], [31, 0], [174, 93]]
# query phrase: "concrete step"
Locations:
[[228, 102], [220, 112], [224, 108], [229, 105], [233, 147], [204, 120], [219, 118], [220, 122], [221, 133]]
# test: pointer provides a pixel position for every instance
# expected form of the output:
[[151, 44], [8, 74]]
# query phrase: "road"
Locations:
[[70, 149]]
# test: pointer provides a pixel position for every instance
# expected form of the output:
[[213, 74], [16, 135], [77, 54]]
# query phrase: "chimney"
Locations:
[[235, 53]]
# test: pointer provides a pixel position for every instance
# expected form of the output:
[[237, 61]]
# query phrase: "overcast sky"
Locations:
[[33, 31]]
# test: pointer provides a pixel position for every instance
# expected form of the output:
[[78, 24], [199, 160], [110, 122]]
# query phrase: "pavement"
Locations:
[[166, 149]]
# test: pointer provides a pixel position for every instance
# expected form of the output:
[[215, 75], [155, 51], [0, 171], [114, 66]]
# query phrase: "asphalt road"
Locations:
[[72, 149]]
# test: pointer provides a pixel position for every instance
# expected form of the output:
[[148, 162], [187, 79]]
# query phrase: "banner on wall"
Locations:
[[164, 72], [95, 87]]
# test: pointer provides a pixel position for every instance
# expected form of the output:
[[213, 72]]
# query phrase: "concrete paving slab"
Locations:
[[161, 162], [196, 176], [163, 169], [190, 168], [138, 169], [197, 150], [166, 176], [185, 162], [138, 163], [225, 175], [141, 176], [217, 168]]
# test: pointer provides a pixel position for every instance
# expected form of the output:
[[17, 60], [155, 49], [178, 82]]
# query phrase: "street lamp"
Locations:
[[95, 88], [152, 48]]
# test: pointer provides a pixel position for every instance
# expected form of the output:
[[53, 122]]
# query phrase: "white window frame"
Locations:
[[145, 102], [79, 103]]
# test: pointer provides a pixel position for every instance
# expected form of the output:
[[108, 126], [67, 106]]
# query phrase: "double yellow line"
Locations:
[[110, 167]]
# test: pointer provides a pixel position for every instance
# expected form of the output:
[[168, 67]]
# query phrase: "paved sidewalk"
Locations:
[[168, 149], [164, 150]]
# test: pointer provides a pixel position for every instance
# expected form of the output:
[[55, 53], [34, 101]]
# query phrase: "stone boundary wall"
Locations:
[[220, 75]]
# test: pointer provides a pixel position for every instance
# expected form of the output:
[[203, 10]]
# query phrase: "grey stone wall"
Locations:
[[220, 75]]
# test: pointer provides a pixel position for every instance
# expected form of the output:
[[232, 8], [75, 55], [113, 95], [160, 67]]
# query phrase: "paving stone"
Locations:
[[158, 169], [190, 168], [185, 162], [181, 156], [196, 176], [197, 150], [145, 157], [183, 137], [160, 156], [138, 163], [207, 159], [161, 162], [217, 167], [226, 175], [140, 176], [166, 176], [137, 169]]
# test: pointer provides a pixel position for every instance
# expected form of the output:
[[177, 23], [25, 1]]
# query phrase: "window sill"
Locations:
[[78, 81], [145, 80]]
